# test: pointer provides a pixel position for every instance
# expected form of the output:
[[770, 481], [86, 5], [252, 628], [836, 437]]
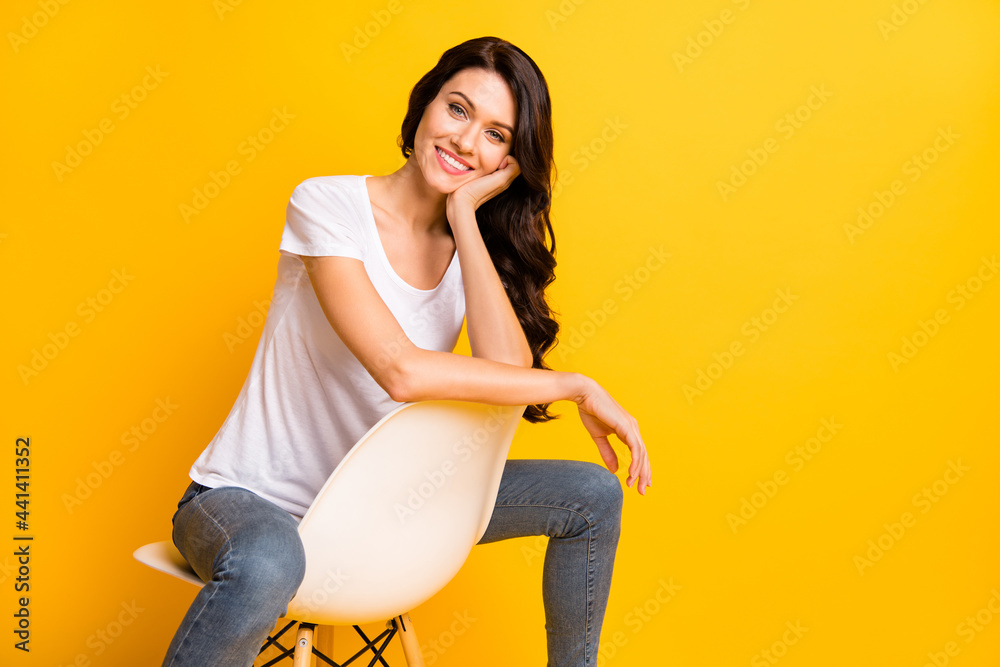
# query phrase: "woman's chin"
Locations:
[[446, 184]]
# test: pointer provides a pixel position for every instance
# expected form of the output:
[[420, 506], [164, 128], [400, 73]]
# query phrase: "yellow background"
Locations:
[[661, 133]]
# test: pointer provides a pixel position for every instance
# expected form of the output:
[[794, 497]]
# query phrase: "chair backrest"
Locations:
[[398, 517]]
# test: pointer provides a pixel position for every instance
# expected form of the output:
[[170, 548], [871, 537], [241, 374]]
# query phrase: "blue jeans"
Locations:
[[248, 551]]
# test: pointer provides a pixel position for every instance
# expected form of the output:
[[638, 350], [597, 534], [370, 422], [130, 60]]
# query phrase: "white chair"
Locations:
[[394, 522]]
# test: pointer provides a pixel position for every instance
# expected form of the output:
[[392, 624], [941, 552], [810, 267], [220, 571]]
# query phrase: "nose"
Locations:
[[464, 141]]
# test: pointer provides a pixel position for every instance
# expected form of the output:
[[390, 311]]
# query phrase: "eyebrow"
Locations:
[[473, 107]]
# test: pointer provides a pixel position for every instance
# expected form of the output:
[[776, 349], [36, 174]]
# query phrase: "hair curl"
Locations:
[[515, 224]]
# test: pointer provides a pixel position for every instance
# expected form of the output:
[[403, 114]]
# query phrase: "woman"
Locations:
[[375, 278]]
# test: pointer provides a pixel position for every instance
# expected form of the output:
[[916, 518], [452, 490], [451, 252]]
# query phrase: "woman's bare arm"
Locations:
[[494, 331], [430, 374]]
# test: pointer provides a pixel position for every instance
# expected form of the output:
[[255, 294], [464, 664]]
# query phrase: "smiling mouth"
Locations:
[[452, 162]]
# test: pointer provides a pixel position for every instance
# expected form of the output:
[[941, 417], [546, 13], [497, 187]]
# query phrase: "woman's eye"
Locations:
[[459, 111]]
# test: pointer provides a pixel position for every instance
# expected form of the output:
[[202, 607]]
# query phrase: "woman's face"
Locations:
[[471, 121]]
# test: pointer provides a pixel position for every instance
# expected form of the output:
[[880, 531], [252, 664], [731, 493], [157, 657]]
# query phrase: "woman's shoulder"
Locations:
[[331, 184], [327, 192], [325, 217]]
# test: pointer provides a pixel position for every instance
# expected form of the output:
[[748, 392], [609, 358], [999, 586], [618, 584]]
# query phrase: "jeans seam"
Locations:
[[210, 597], [590, 568]]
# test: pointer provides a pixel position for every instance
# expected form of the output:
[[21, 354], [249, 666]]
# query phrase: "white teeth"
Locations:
[[450, 160]]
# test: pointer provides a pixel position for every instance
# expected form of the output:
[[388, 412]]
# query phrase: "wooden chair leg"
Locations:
[[303, 646], [408, 638]]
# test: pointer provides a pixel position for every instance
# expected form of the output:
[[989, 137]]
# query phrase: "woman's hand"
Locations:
[[479, 190], [601, 416]]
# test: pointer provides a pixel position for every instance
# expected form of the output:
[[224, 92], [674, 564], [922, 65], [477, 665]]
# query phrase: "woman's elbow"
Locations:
[[400, 382], [400, 392]]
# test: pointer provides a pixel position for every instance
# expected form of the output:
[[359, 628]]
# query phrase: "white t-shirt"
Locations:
[[307, 399]]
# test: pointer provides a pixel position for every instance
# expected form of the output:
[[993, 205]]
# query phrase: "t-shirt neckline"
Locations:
[[370, 214]]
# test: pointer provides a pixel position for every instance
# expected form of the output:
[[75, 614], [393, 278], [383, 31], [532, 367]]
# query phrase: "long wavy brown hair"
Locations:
[[515, 224]]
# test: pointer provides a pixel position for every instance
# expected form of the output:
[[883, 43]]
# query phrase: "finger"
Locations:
[[644, 481], [640, 459], [634, 474], [636, 450], [646, 469], [607, 453]]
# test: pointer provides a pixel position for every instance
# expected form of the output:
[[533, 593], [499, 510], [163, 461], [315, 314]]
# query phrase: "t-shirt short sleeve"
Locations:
[[320, 221]]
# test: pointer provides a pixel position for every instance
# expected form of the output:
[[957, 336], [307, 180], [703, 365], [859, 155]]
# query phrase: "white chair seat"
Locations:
[[165, 557]]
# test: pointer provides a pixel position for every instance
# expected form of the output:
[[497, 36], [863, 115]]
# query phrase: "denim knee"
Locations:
[[273, 563], [603, 492]]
